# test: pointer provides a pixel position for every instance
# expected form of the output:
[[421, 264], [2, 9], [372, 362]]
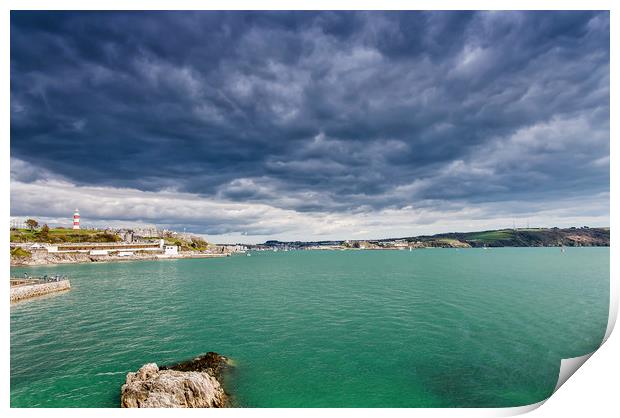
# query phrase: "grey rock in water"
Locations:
[[191, 384]]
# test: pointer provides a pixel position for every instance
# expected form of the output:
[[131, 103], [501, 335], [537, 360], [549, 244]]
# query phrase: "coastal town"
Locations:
[[34, 244], [510, 237]]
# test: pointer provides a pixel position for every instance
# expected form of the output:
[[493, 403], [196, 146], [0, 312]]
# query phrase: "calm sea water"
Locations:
[[432, 328]]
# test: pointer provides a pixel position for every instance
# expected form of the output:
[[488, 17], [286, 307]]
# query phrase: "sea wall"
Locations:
[[44, 258], [33, 290]]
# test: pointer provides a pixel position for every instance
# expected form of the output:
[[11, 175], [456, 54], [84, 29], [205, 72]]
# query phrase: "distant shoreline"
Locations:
[[517, 237], [194, 256], [524, 238]]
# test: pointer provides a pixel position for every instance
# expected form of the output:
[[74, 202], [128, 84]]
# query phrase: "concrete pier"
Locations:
[[27, 290]]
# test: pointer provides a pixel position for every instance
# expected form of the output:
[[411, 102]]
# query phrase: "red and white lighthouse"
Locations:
[[76, 219]]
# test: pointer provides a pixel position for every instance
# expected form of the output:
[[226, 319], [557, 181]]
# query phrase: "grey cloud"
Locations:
[[316, 112]]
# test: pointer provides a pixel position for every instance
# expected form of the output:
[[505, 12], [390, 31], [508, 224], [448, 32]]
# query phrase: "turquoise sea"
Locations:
[[428, 328]]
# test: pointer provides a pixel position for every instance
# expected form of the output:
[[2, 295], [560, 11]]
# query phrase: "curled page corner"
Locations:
[[568, 367], [613, 313]]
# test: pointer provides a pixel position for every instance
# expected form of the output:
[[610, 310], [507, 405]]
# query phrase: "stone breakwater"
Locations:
[[191, 384], [32, 290]]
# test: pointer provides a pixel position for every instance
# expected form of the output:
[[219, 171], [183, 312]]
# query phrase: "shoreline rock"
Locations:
[[189, 384]]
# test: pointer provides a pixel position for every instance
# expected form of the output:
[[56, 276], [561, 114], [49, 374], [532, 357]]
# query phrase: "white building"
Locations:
[[171, 250]]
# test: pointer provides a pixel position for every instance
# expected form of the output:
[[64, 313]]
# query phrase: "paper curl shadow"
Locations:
[[568, 367]]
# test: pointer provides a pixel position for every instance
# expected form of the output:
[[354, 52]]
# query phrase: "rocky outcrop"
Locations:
[[190, 384], [40, 258]]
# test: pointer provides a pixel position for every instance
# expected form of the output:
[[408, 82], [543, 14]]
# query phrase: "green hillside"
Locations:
[[531, 237], [60, 235]]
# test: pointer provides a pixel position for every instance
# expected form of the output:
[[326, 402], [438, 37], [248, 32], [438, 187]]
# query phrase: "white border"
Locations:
[[591, 391]]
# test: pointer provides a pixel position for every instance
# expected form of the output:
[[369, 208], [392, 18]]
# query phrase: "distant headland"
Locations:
[[517, 237]]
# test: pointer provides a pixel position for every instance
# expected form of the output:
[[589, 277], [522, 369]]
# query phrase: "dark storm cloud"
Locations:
[[322, 111]]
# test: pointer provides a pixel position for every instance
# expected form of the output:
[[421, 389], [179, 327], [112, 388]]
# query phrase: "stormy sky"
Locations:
[[246, 126]]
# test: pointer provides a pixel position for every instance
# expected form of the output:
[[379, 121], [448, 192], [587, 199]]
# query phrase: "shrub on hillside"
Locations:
[[21, 253]]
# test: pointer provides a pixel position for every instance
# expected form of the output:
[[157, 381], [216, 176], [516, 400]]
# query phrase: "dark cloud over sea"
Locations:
[[315, 114]]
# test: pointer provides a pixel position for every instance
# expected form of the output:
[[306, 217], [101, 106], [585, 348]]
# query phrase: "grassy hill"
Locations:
[[520, 237], [60, 235], [191, 244], [529, 237], [65, 235]]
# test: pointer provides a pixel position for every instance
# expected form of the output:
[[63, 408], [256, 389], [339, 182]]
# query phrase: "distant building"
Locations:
[[76, 219], [171, 250], [235, 247], [127, 235]]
